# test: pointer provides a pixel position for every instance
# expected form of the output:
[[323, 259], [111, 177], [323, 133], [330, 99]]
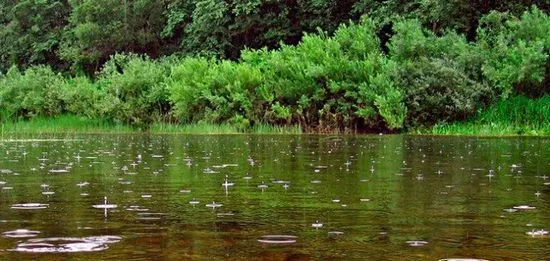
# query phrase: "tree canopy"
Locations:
[[81, 35]]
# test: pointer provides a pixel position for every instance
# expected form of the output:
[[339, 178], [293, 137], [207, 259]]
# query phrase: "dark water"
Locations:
[[372, 195]]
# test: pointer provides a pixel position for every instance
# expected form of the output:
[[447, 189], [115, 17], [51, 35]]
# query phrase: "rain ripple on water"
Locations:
[[66, 244]]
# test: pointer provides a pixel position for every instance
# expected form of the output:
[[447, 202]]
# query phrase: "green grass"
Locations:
[[515, 116], [63, 124], [206, 128], [68, 124]]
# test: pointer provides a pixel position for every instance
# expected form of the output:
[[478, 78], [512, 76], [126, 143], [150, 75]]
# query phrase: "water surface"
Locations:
[[274, 197]]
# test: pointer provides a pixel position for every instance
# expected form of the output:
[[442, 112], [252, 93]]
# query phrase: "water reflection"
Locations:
[[396, 197]]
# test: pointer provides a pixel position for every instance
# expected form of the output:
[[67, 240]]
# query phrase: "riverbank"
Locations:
[[70, 124], [346, 82], [517, 116]]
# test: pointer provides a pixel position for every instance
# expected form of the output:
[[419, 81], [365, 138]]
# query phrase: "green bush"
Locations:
[[82, 97], [330, 83], [517, 51], [34, 92], [214, 92], [135, 90], [436, 91], [412, 42]]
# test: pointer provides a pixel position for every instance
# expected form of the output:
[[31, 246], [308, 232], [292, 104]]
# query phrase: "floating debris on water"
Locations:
[[227, 183], [524, 207], [209, 171], [538, 233], [227, 214], [20, 233], [149, 216], [66, 244], [214, 205], [278, 239], [30, 206], [136, 208], [417, 243], [58, 171], [83, 184], [105, 205], [335, 233], [462, 259], [317, 225]]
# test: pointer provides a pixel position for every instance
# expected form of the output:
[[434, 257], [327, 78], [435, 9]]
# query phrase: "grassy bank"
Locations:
[[347, 81], [69, 124], [515, 116]]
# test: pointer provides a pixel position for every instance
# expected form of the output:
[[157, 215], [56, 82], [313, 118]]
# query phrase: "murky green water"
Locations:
[[332, 197]]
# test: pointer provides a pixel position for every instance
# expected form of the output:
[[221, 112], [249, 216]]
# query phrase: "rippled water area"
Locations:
[[262, 197]]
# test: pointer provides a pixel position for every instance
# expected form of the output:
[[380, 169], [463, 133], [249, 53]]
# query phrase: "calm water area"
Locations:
[[274, 197]]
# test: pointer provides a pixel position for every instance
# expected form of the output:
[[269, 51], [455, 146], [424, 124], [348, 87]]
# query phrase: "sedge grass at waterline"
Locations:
[[515, 116], [207, 128], [63, 124], [68, 124], [490, 129]]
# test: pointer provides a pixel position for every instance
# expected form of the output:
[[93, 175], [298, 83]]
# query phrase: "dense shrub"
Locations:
[[340, 82], [35, 92], [517, 51], [412, 42], [135, 90], [328, 83], [436, 91], [212, 91], [82, 97]]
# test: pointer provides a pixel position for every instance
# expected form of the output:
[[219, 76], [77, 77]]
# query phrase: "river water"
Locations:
[[284, 197]]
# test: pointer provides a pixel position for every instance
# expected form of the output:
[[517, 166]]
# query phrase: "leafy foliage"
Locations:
[[31, 31], [517, 51], [99, 29], [34, 92], [134, 88], [214, 92], [436, 91], [359, 76]]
